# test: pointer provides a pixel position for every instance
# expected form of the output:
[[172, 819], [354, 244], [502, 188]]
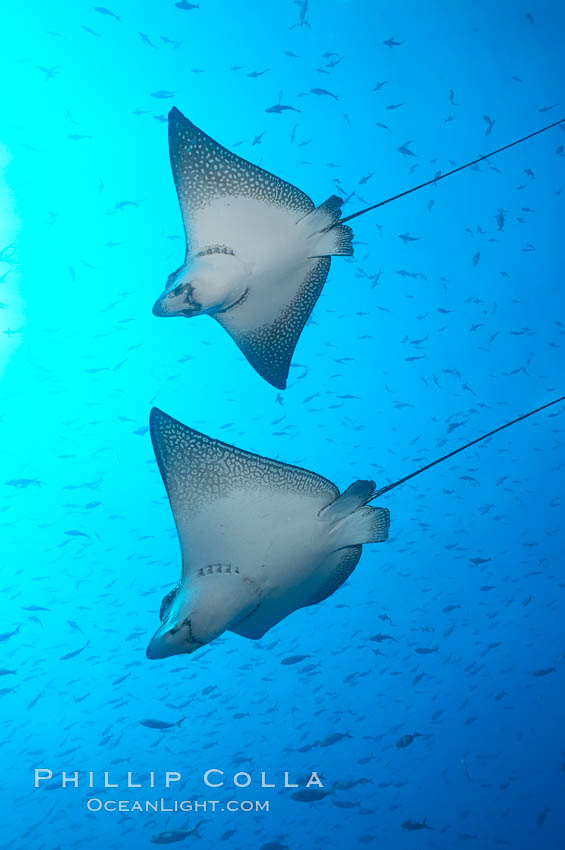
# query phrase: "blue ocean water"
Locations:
[[417, 345]]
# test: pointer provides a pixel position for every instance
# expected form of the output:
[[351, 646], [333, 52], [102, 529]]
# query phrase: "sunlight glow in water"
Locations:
[[9, 227]]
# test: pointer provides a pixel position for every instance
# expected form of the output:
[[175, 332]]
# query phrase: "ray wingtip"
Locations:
[[176, 118], [156, 418], [276, 377]]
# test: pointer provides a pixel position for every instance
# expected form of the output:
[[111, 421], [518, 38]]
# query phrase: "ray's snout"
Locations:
[[163, 643], [157, 648], [163, 307], [171, 639], [157, 309]]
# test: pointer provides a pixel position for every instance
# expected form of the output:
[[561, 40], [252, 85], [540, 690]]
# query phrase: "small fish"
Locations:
[[380, 637], [103, 11], [405, 150], [545, 671], [281, 107], [49, 72], [332, 739], [173, 835], [74, 653], [147, 40], [406, 740], [160, 724], [7, 672], [184, 4], [324, 93], [7, 635], [294, 659], [35, 700], [425, 650], [490, 124], [310, 795], [302, 21], [413, 825]]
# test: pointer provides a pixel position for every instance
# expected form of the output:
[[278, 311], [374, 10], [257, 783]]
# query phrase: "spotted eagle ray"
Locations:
[[259, 538], [258, 251]]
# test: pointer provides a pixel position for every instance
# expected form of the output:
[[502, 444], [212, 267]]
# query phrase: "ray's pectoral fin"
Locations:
[[340, 565], [266, 334], [204, 170]]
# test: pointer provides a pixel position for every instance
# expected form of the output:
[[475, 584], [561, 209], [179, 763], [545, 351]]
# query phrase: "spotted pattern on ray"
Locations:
[[270, 347], [198, 470], [204, 170]]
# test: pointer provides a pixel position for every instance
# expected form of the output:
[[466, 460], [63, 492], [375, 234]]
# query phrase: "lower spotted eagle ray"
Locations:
[[258, 251], [259, 538]]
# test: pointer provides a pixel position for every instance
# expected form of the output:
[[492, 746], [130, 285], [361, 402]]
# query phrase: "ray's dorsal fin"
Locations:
[[453, 171], [474, 442], [269, 346], [204, 170]]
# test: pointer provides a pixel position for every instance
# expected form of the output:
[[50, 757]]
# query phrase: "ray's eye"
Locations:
[[173, 276], [167, 602]]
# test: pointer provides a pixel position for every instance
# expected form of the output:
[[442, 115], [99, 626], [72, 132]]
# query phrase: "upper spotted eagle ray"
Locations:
[[258, 251], [259, 538]]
